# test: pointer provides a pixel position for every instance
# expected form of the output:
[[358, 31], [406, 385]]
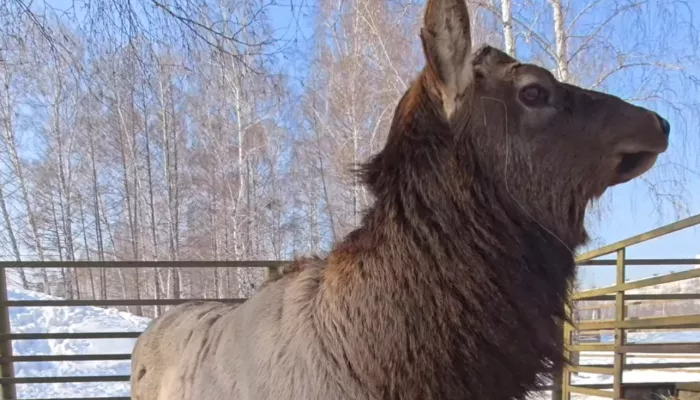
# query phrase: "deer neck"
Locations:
[[428, 288]]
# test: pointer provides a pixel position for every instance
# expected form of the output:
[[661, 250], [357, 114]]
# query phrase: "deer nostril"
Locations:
[[665, 125]]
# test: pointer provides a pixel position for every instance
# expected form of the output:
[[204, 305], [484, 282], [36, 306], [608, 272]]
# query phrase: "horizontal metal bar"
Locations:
[[669, 385], [608, 368], [641, 262], [65, 379], [664, 230], [592, 369], [115, 302], [658, 355], [645, 297], [686, 321], [658, 280], [69, 335], [67, 357], [643, 348], [653, 348], [592, 347], [592, 392], [630, 367], [141, 264], [688, 386]]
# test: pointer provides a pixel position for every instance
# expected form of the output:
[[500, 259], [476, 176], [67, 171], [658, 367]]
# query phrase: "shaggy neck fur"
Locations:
[[450, 289]]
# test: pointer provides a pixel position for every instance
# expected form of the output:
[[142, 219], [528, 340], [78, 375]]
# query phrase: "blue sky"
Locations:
[[629, 209]]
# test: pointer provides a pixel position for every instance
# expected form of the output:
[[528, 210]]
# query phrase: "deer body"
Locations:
[[454, 284]]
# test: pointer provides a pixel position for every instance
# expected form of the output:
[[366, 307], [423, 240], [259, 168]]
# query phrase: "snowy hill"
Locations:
[[72, 320], [94, 319]]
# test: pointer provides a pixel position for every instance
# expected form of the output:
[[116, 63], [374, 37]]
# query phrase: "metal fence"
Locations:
[[620, 348], [8, 380]]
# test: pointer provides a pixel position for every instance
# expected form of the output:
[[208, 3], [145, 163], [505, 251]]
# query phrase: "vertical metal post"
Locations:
[[7, 368], [557, 379], [568, 342], [271, 272], [619, 366]]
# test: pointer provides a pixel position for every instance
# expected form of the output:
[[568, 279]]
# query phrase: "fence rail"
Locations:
[[620, 349], [8, 380]]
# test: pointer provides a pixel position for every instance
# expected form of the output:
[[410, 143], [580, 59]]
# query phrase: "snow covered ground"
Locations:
[[645, 376], [74, 320], [94, 319], [639, 376]]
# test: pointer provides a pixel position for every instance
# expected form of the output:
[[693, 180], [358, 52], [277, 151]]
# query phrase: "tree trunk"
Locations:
[[561, 40], [8, 129], [508, 38]]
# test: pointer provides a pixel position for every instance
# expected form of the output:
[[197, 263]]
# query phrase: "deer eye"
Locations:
[[534, 95]]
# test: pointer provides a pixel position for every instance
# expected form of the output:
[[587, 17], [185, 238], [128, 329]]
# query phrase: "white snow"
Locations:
[[94, 319], [646, 376], [73, 320], [638, 376]]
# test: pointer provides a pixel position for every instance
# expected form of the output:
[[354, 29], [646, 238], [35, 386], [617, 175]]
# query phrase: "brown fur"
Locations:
[[453, 285]]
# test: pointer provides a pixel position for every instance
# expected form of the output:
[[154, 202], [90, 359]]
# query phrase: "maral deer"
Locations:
[[453, 285]]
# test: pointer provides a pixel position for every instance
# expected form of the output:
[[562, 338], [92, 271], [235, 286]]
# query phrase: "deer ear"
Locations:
[[446, 38]]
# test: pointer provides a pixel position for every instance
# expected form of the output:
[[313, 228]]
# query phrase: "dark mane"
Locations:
[[415, 111]]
